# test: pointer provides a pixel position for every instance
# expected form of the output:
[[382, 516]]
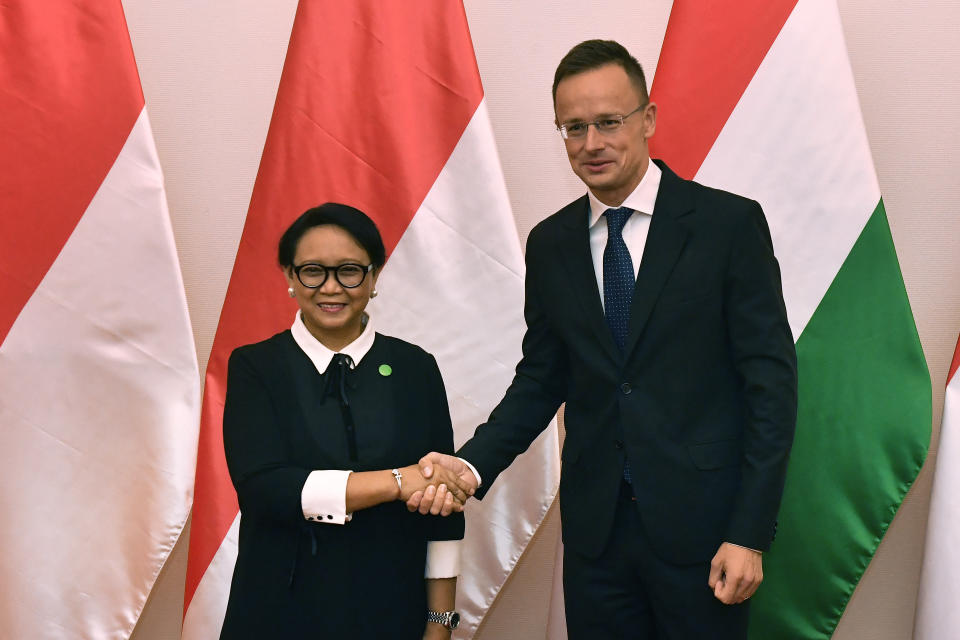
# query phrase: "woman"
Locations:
[[323, 425]]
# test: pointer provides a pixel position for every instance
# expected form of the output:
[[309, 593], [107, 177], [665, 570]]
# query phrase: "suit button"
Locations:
[[626, 388], [618, 444]]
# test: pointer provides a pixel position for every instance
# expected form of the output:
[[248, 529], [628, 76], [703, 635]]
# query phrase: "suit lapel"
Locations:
[[665, 241], [574, 247]]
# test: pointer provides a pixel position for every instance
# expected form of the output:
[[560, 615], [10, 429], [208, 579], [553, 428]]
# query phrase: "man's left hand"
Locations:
[[735, 573]]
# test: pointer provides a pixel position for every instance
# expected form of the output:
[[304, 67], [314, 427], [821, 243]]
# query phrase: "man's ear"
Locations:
[[650, 120]]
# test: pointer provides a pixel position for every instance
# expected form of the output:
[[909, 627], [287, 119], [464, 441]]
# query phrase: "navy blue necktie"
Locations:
[[618, 281], [618, 276]]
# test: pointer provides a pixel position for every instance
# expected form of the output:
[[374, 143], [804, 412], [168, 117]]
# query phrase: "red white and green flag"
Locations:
[[938, 613], [380, 106], [757, 97], [99, 389]]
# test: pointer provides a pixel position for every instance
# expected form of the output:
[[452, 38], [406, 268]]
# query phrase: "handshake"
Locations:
[[440, 484]]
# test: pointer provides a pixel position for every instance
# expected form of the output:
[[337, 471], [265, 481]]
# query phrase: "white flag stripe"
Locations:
[[938, 613], [454, 258], [203, 619], [803, 161], [99, 398], [459, 265]]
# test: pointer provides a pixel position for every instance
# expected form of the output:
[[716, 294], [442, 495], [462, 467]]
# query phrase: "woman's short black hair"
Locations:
[[355, 222]]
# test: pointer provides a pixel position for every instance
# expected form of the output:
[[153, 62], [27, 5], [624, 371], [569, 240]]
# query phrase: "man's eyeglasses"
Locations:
[[606, 124], [349, 275]]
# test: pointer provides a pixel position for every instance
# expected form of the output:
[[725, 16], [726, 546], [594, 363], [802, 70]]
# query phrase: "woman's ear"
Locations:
[[373, 283]]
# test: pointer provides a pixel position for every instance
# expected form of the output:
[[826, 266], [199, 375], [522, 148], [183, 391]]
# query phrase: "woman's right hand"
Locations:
[[449, 487]]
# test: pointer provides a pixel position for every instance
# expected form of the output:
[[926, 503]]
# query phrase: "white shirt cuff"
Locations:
[[474, 469], [443, 559], [324, 497]]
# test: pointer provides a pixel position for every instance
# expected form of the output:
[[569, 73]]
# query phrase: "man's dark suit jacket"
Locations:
[[703, 399]]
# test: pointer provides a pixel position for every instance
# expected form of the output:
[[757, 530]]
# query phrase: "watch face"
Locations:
[[454, 620]]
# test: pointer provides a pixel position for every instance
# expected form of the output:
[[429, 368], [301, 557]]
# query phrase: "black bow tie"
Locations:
[[336, 385], [336, 377]]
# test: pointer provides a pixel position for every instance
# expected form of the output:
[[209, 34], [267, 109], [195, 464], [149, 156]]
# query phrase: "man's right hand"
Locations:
[[429, 500], [445, 485]]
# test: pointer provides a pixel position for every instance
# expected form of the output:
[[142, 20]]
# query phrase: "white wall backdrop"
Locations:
[[210, 70]]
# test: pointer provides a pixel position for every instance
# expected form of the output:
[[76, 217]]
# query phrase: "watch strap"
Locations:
[[446, 618]]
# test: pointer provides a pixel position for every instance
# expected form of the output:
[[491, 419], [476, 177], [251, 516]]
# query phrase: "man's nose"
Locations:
[[593, 139]]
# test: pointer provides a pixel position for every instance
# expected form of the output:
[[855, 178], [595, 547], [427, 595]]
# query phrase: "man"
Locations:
[[654, 310]]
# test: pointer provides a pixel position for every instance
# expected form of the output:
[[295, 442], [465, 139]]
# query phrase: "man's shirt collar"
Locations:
[[643, 198]]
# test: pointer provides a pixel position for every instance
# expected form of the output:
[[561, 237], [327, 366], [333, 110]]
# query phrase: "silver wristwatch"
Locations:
[[449, 619]]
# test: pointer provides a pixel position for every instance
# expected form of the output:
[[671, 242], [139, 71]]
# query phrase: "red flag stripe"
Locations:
[[710, 49], [372, 101], [955, 364], [69, 97]]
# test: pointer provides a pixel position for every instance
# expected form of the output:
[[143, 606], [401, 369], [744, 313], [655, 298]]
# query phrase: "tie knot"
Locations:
[[616, 218]]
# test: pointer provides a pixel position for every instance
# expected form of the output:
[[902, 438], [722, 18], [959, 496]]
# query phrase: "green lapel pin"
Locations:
[[385, 370]]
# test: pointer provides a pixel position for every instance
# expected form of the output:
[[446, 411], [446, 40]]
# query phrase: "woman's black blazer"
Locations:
[[361, 579]]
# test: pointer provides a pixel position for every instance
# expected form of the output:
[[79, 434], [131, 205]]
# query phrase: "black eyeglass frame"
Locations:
[[336, 274]]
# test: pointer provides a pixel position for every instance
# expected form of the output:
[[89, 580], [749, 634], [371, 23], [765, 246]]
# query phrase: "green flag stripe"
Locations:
[[862, 434]]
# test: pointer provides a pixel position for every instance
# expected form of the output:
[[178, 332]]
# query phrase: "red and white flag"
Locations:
[[99, 389], [938, 616], [380, 106]]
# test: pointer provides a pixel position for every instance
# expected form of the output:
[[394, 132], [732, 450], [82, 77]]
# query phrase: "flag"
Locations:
[[938, 617], [99, 388], [380, 106], [757, 97]]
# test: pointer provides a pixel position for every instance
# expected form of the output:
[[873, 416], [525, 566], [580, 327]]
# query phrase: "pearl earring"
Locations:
[[290, 292], [373, 294]]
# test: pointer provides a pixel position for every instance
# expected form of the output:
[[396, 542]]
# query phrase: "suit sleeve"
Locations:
[[765, 358], [538, 386], [268, 485]]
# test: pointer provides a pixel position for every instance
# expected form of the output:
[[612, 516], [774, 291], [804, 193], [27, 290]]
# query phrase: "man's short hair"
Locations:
[[593, 54]]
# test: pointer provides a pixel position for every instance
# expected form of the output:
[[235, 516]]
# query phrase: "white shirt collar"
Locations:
[[319, 355], [643, 198]]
